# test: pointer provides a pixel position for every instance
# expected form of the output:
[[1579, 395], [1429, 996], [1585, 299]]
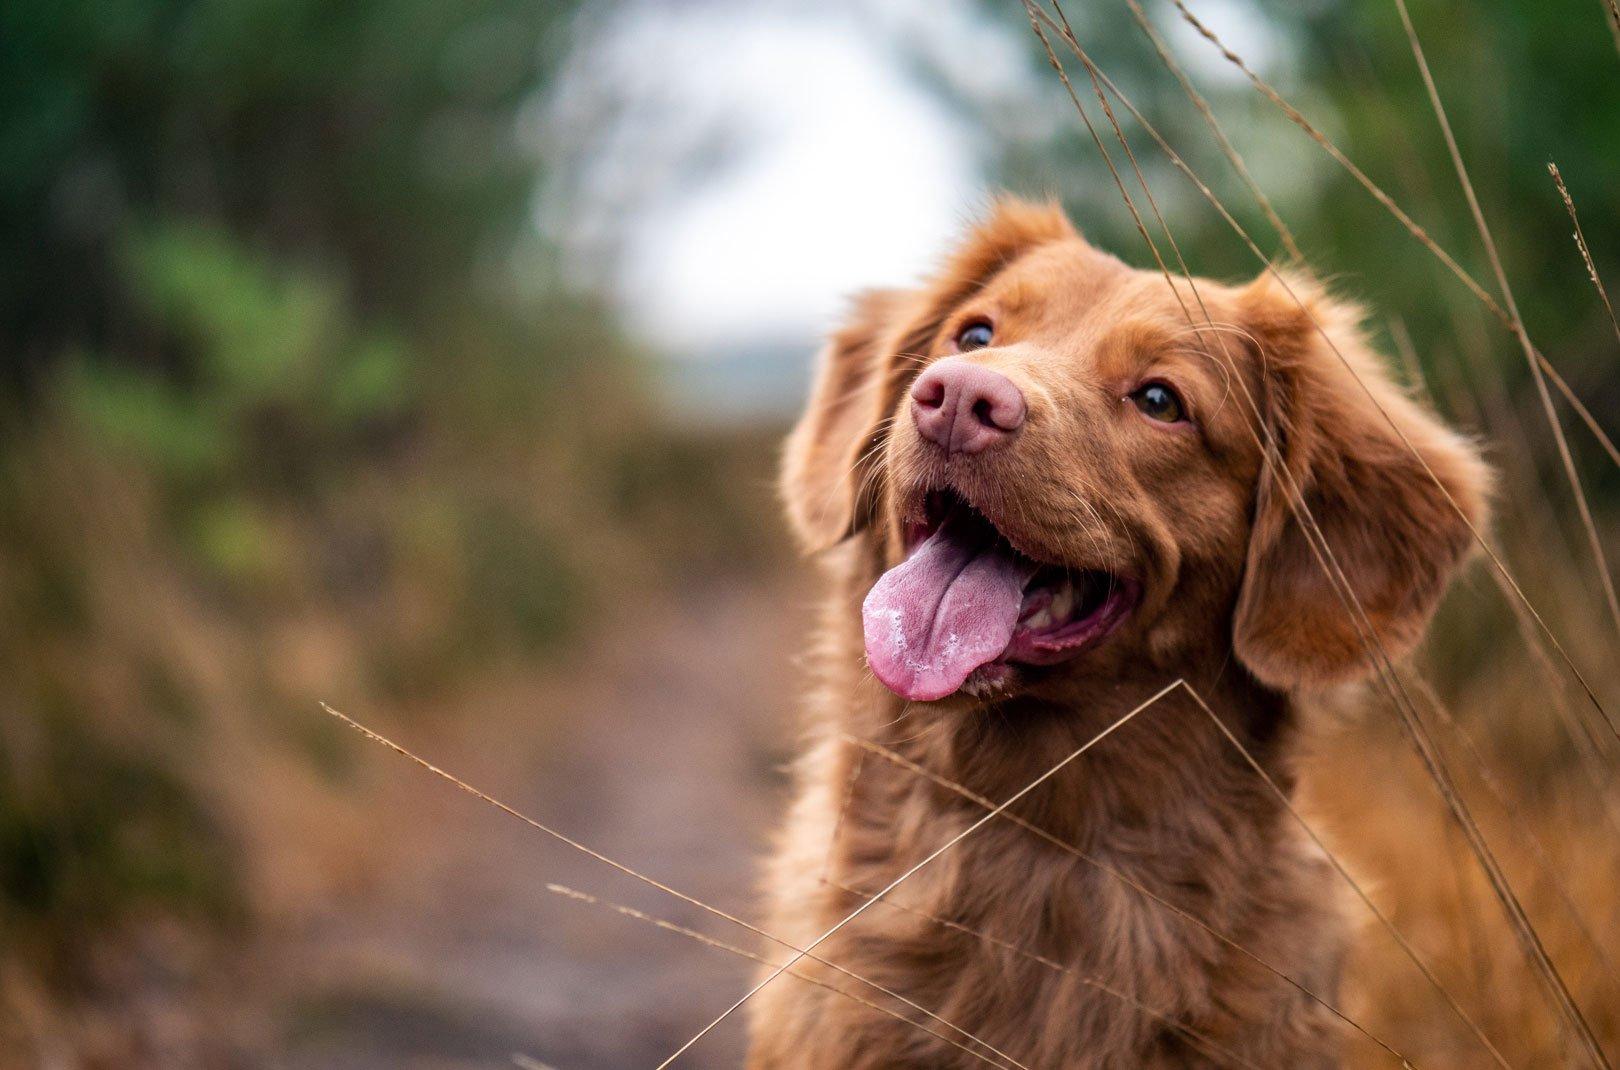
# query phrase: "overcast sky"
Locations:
[[822, 164]]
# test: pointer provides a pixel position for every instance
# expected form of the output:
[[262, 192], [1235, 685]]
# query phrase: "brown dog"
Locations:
[[1039, 487]]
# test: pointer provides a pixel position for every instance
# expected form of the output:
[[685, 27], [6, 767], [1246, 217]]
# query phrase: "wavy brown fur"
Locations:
[[1234, 602]]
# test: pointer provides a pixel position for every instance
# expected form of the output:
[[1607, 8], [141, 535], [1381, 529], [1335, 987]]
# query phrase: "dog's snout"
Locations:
[[964, 407]]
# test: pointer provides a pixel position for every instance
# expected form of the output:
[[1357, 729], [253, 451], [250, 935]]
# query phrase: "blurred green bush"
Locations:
[[283, 369]]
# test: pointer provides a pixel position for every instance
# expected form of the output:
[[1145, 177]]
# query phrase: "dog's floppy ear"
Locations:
[[1394, 534], [828, 480], [823, 462]]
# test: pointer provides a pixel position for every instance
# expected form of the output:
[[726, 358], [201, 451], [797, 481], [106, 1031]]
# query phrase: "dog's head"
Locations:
[[1066, 472]]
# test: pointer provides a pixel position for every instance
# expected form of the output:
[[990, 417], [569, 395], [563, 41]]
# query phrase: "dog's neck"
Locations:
[[1166, 797], [1130, 864], [1147, 762]]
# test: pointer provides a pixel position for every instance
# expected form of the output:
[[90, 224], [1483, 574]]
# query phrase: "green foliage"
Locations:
[[91, 832], [275, 357], [1522, 83], [257, 280], [519, 580], [129, 409], [1564, 105], [376, 134], [283, 386]]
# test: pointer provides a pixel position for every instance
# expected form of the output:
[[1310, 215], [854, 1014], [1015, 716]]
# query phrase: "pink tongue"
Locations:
[[947, 609]]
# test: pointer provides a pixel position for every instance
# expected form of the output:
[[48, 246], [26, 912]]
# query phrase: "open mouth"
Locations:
[[965, 602]]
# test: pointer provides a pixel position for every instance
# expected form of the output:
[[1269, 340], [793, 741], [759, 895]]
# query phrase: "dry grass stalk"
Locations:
[[1499, 792], [1519, 331], [1226, 215], [843, 810], [1324, 552], [1429, 754], [733, 949], [1089, 981], [1411, 225], [1207, 113], [1571, 1008], [1580, 243], [1114, 872], [1491, 553], [643, 878], [1361, 893], [892, 885], [524, 1062], [1407, 352]]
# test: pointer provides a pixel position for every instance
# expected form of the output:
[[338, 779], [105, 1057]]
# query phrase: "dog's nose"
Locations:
[[964, 407]]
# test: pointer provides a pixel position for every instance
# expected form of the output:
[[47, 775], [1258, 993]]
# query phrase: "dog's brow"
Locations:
[[1011, 296], [1126, 346]]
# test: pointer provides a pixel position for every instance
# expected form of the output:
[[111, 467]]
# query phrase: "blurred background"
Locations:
[[428, 358]]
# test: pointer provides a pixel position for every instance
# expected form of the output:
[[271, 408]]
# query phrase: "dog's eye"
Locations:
[[974, 336], [1159, 402]]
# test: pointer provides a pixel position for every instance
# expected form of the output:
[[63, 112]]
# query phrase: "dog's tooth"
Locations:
[[1042, 619], [1062, 601]]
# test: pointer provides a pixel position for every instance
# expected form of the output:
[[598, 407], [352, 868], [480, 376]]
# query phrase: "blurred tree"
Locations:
[[269, 294], [1522, 84], [376, 136]]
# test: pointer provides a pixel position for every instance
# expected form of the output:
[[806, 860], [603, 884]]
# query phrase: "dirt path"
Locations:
[[659, 745]]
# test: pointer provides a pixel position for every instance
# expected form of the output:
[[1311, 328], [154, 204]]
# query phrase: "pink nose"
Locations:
[[965, 408]]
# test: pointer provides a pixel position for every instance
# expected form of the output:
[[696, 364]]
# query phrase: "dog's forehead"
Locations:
[[1058, 280], [1071, 288]]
